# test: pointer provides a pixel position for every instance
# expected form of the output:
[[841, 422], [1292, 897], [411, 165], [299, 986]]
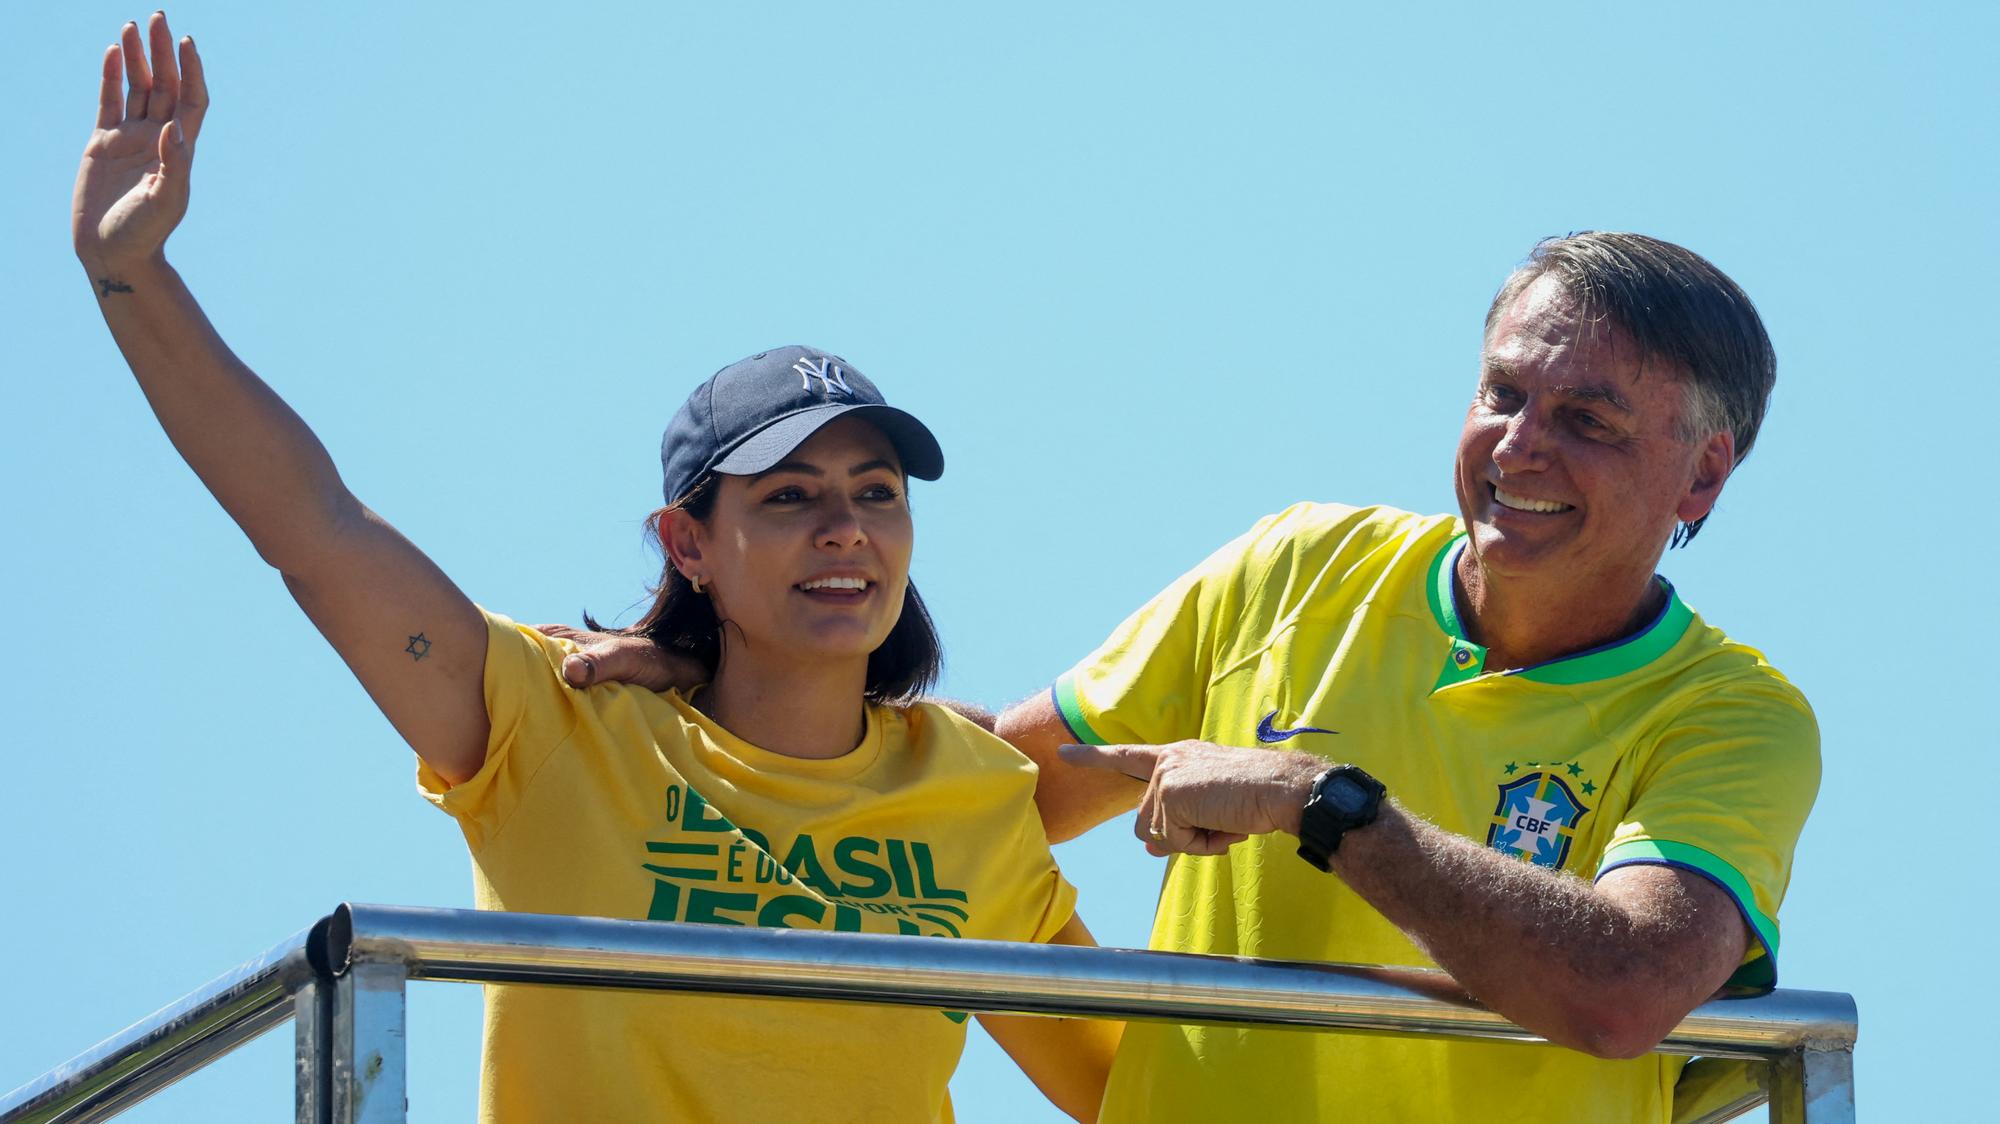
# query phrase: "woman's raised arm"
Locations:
[[416, 643]]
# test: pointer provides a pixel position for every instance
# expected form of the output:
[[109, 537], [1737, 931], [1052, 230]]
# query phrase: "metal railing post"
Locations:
[[1814, 1085], [312, 1025], [369, 1052]]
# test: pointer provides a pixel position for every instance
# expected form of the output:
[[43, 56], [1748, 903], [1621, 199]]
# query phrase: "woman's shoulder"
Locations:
[[939, 729]]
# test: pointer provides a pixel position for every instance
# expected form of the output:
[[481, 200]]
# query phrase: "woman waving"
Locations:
[[801, 788]]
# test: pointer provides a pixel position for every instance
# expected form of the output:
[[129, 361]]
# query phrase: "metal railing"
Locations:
[[343, 981]]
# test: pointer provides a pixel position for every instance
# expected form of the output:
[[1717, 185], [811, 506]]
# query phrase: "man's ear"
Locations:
[[681, 534], [1712, 465]]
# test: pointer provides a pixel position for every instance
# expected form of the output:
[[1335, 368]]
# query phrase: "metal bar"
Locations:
[[370, 1056], [996, 976], [1815, 1085], [352, 1057], [169, 1044]]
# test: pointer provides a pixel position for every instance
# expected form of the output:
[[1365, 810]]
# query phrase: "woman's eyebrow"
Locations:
[[805, 469], [800, 467]]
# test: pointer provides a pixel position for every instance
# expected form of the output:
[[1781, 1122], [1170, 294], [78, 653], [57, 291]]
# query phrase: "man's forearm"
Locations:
[[1608, 968], [971, 712], [1547, 949]]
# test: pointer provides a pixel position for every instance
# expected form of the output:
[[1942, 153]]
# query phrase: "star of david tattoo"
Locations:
[[419, 647], [107, 287]]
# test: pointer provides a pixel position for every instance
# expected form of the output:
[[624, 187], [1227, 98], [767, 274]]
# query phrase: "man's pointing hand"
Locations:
[[1202, 798]]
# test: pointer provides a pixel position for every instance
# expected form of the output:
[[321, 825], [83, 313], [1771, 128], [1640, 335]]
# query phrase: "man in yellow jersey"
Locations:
[[1497, 743]]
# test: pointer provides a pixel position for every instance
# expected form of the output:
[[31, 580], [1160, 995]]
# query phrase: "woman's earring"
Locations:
[[695, 582]]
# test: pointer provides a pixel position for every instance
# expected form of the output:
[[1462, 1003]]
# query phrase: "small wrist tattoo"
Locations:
[[106, 286], [418, 647]]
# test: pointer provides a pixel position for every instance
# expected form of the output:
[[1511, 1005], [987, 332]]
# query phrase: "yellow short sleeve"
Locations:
[[1725, 793], [532, 712], [1148, 682]]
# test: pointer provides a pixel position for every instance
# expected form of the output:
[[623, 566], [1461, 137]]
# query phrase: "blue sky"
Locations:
[[1149, 271]]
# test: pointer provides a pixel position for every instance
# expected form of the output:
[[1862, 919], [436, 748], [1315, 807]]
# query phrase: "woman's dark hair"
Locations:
[[680, 620]]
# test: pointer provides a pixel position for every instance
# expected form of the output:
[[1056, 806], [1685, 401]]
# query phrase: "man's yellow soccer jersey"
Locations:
[[618, 802], [1335, 631]]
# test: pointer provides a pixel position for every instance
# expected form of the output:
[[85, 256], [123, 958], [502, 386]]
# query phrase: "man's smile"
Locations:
[[1515, 502]]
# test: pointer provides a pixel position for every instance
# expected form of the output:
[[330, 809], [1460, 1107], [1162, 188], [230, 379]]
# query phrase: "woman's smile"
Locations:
[[837, 589]]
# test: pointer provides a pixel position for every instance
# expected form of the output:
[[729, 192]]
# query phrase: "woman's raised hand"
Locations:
[[133, 187]]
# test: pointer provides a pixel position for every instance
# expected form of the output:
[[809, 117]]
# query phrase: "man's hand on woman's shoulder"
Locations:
[[608, 657]]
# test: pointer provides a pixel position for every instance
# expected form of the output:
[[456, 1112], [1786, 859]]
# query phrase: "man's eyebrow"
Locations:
[[1492, 366], [1597, 392]]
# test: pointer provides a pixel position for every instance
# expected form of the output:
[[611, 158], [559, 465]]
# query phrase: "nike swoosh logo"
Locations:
[[1269, 733]]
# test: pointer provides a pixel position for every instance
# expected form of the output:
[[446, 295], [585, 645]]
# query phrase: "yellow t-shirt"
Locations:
[[1335, 631], [618, 802]]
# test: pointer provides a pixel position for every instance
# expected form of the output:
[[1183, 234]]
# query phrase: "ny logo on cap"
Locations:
[[832, 377]]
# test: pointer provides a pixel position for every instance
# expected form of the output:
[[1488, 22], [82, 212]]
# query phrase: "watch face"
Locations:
[[1346, 795]]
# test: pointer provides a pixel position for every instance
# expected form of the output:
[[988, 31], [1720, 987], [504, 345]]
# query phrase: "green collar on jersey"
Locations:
[[1467, 659]]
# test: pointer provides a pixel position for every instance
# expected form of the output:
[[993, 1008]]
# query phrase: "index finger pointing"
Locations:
[[1134, 761]]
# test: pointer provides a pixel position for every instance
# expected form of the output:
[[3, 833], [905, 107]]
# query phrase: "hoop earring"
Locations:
[[696, 582]]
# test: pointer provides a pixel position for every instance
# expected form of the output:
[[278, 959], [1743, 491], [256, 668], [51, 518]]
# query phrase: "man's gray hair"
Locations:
[[1680, 311]]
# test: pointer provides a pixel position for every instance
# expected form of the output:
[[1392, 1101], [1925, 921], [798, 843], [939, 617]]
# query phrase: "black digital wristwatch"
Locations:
[[1343, 798]]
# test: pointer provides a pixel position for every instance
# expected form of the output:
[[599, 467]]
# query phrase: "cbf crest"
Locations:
[[1537, 815]]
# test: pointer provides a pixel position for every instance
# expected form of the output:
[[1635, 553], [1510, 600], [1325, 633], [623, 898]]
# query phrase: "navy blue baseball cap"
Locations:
[[751, 414]]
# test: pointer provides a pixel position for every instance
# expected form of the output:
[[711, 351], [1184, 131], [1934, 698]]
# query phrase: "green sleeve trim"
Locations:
[[1760, 974], [1071, 709]]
